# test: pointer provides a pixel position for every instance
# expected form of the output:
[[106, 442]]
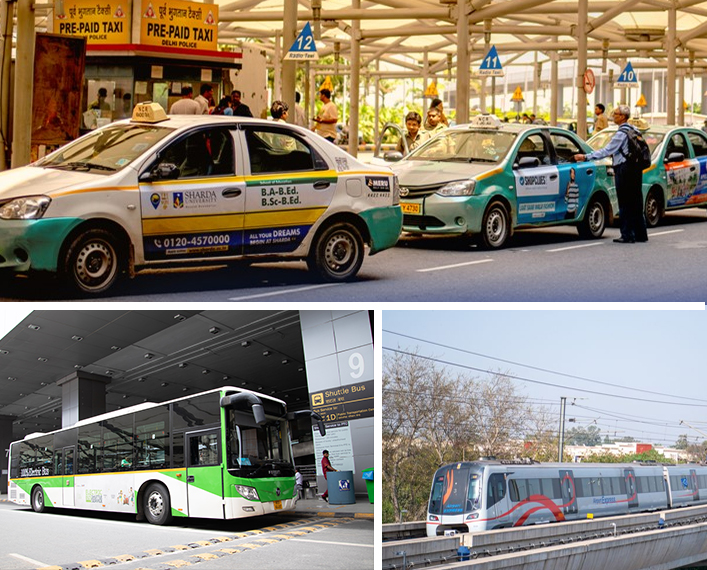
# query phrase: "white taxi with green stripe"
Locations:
[[162, 190]]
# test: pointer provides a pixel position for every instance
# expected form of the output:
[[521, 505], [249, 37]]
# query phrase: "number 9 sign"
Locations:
[[357, 365]]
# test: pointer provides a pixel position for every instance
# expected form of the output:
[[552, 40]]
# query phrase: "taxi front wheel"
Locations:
[[337, 252], [91, 262], [496, 226]]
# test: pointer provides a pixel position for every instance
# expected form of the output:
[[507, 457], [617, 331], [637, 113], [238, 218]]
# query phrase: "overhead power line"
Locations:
[[540, 369], [522, 379]]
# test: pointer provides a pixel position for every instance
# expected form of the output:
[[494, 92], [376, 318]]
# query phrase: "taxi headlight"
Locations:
[[28, 208], [248, 492], [461, 188], [396, 191]]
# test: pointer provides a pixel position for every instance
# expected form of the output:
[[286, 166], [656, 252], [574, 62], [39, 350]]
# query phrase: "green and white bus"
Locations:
[[221, 454]]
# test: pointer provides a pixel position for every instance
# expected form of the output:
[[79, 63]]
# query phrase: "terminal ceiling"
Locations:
[[400, 32], [148, 356]]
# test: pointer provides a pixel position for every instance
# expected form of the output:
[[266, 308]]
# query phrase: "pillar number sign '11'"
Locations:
[[491, 64]]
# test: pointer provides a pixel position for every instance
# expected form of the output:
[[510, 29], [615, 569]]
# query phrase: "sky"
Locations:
[[653, 350]]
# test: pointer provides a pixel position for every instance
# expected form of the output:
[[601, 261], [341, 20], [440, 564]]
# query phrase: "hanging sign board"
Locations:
[[344, 403], [642, 101], [99, 22], [518, 95], [491, 64], [304, 47], [628, 77], [327, 84], [431, 90], [179, 24]]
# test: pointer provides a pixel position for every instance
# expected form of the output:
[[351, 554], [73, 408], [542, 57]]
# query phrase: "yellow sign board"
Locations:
[[517, 95], [685, 105], [101, 22], [327, 84], [431, 90], [641, 101], [179, 24]]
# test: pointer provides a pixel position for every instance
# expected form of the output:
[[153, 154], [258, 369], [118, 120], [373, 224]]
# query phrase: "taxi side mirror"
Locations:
[[527, 162], [674, 157], [163, 171], [393, 156]]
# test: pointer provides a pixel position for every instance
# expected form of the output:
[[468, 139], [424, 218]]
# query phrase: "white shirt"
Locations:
[[185, 107], [298, 478]]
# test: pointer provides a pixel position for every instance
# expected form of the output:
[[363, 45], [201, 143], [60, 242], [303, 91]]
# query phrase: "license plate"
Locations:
[[278, 505], [410, 208]]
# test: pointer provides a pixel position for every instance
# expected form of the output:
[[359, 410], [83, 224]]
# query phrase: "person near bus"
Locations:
[[326, 467], [629, 179], [299, 484]]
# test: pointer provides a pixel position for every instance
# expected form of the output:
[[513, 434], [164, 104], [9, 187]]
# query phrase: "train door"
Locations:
[[694, 485], [569, 494], [496, 501], [631, 489]]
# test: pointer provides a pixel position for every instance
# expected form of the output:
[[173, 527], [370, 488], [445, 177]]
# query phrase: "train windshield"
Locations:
[[455, 490]]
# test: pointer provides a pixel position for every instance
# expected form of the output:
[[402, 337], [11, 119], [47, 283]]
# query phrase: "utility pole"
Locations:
[[561, 446]]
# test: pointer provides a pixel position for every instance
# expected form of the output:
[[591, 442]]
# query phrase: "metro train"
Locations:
[[490, 494]]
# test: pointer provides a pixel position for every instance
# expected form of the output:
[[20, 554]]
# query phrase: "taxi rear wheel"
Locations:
[[91, 264], [337, 253], [594, 222], [496, 226], [654, 209]]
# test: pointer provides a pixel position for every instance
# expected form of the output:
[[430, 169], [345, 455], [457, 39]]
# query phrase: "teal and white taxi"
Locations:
[[677, 176], [158, 190], [488, 178]]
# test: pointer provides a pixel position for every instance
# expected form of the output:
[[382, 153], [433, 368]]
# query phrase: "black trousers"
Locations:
[[629, 180]]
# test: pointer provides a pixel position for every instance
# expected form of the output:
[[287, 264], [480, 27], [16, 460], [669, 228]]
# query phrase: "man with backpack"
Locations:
[[628, 152]]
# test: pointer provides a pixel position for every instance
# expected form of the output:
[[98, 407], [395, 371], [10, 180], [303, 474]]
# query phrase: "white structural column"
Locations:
[[462, 62], [670, 49], [682, 99], [289, 68], [24, 84], [554, 86], [355, 81], [582, 7]]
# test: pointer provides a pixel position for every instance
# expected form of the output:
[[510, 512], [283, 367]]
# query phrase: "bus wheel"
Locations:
[[91, 265], [38, 499], [157, 507], [337, 253], [496, 226]]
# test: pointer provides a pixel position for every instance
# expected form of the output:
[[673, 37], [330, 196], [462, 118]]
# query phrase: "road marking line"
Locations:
[[285, 292], [36, 563], [330, 542], [441, 267], [574, 246], [664, 233]]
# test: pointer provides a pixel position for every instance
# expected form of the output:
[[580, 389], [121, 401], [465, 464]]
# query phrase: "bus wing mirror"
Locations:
[[250, 399], [259, 414], [322, 429]]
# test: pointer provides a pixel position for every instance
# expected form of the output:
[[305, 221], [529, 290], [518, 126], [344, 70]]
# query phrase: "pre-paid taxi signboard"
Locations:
[[100, 22], [344, 403], [179, 24]]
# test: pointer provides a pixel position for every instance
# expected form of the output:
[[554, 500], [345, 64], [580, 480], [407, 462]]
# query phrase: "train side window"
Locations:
[[522, 489], [497, 488], [640, 485], [556, 489], [513, 490], [534, 487]]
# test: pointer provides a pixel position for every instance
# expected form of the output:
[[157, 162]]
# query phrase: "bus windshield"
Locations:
[[257, 450], [455, 490]]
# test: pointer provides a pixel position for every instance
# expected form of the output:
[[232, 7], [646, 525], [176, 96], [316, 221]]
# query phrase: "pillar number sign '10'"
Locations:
[[628, 77]]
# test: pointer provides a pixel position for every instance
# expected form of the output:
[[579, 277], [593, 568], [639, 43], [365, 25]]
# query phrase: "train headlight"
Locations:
[[434, 518], [472, 516]]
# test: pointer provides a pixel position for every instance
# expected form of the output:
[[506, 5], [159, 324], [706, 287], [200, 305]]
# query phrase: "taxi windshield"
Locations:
[[107, 150], [465, 146]]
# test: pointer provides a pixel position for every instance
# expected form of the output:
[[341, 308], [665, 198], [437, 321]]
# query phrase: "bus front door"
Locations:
[[204, 474], [68, 478]]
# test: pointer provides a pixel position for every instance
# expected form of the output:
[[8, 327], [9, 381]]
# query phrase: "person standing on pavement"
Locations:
[[186, 105], [327, 118], [326, 467], [240, 109], [299, 484], [601, 122], [300, 116], [205, 94], [414, 135], [629, 179], [434, 122]]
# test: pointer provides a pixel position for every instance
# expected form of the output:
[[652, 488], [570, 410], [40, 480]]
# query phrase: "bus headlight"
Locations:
[[247, 492], [28, 208], [461, 188]]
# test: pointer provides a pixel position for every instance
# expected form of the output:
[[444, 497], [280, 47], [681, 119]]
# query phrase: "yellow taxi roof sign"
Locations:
[[517, 95], [149, 112], [431, 90]]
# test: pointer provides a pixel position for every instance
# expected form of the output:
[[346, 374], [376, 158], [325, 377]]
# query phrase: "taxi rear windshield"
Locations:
[[466, 146], [106, 151]]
